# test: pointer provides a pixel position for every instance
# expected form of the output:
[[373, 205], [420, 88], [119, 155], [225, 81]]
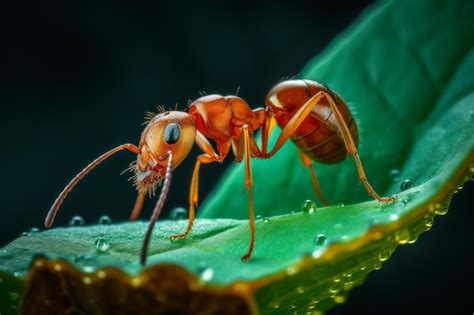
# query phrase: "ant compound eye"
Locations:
[[172, 133]]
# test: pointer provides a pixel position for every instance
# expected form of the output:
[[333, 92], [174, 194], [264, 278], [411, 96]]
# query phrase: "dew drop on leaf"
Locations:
[[378, 266], [394, 217], [205, 273], [384, 255], [76, 221], [308, 206], [402, 236], [275, 304], [428, 220], [339, 299], [320, 240], [178, 213], [336, 288], [105, 220], [406, 184], [101, 244], [266, 220], [394, 173], [440, 210]]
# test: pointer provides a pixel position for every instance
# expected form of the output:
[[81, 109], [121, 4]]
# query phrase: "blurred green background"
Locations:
[[77, 79]]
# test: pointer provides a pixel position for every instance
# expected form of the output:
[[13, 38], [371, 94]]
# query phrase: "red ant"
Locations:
[[316, 119]]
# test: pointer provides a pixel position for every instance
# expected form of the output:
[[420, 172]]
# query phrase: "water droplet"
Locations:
[[406, 184], [362, 268], [394, 173], [76, 221], [428, 220], [308, 206], [205, 273], [88, 269], [291, 270], [317, 253], [320, 240], [25, 234], [18, 274], [394, 217], [402, 236], [337, 279], [300, 290], [258, 217], [378, 266], [101, 244], [266, 220], [348, 285], [34, 230], [341, 205], [412, 239], [339, 299], [336, 288], [292, 306], [293, 212], [178, 213], [84, 259], [105, 220], [275, 304], [384, 255], [440, 210]]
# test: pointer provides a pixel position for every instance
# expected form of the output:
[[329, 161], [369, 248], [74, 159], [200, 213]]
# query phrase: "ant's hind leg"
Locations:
[[309, 163], [351, 148]]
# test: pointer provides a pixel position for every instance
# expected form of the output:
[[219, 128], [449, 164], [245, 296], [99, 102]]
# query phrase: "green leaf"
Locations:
[[405, 68]]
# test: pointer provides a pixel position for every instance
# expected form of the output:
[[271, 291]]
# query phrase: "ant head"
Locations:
[[169, 131]]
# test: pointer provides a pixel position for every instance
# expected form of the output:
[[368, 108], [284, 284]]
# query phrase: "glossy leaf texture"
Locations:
[[405, 68]]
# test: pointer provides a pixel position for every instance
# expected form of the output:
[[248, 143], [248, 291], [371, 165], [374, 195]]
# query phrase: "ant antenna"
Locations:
[[157, 210], [238, 90]]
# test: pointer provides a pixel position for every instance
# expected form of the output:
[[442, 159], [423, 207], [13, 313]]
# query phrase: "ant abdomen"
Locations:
[[319, 135]]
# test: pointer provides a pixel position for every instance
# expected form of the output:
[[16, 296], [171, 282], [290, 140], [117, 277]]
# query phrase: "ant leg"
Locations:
[[244, 153], [55, 207], [309, 163], [351, 148], [137, 208], [267, 125], [293, 124], [209, 156], [193, 193]]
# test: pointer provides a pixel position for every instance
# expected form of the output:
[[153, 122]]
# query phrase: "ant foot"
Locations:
[[388, 200], [178, 237], [246, 257]]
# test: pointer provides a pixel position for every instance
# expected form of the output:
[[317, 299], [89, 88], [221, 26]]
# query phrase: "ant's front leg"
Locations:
[[208, 157]]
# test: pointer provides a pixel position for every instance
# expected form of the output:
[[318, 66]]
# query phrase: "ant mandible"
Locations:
[[316, 119]]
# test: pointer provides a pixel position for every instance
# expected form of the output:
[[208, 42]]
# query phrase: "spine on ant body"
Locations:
[[319, 135]]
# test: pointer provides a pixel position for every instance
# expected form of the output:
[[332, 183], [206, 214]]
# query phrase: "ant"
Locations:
[[315, 118]]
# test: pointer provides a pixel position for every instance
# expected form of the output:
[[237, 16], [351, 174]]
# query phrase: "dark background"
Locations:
[[76, 80]]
